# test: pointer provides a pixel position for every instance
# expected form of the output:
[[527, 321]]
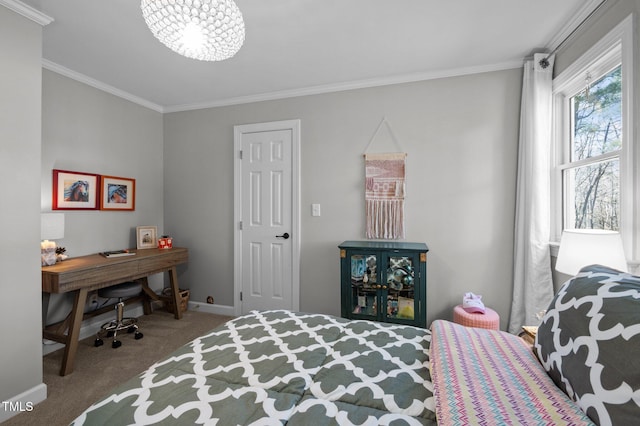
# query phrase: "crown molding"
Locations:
[[576, 20], [352, 85], [52, 66], [27, 11], [306, 91]]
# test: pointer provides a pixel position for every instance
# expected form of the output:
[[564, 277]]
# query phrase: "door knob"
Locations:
[[285, 236]]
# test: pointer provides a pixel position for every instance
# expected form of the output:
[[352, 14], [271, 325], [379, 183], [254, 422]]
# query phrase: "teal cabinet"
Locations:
[[384, 281]]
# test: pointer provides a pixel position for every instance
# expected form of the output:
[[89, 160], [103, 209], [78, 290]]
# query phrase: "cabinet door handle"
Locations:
[[285, 236], [384, 287]]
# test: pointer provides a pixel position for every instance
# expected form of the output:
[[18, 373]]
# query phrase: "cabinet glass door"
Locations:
[[401, 294], [364, 284]]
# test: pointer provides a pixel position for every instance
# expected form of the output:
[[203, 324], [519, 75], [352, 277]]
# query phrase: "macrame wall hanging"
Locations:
[[384, 190]]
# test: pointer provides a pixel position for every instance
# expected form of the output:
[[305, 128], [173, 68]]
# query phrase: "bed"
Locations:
[[282, 367]]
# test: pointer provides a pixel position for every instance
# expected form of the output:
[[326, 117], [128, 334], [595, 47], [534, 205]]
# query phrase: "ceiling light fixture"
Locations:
[[208, 30]]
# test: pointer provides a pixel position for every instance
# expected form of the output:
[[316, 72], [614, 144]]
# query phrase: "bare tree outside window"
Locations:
[[593, 182]]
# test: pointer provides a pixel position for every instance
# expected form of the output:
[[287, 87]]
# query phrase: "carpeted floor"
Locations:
[[98, 370]]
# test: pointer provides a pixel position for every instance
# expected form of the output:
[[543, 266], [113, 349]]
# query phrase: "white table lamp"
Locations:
[[51, 228], [583, 247]]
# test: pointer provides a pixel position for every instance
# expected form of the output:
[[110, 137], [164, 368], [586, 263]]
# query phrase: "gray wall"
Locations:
[[88, 130], [461, 136], [20, 314]]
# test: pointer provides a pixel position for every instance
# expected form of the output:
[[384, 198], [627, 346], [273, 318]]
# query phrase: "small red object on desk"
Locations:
[[165, 242]]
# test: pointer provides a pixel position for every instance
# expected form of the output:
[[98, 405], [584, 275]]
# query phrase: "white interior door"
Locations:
[[267, 234]]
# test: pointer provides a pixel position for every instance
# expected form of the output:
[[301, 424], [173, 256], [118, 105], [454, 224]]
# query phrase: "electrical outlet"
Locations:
[[93, 298]]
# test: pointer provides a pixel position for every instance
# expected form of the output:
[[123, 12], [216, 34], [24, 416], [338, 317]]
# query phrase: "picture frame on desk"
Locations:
[[75, 190], [146, 237], [118, 193]]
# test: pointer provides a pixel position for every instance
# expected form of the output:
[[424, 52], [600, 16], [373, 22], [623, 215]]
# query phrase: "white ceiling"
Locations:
[[295, 47]]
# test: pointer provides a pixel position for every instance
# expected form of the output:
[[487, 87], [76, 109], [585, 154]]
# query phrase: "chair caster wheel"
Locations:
[[132, 329], [98, 343], [138, 335], [116, 344], [110, 333]]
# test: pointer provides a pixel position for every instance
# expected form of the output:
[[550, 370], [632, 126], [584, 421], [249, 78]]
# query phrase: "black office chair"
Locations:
[[111, 328]]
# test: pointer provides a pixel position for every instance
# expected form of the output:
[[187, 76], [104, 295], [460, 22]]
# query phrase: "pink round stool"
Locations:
[[490, 319]]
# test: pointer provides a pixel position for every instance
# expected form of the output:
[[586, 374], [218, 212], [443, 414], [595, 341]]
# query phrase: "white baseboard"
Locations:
[[26, 400], [23, 402], [212, 308], [91, 326]]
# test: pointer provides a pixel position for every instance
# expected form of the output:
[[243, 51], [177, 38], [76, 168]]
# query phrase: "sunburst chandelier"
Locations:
[[208, 30]]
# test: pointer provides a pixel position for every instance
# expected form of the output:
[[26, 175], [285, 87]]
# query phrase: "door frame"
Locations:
[[238, 132]]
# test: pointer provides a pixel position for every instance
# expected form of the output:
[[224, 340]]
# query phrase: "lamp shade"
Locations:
[[51, 226], [583, 247]]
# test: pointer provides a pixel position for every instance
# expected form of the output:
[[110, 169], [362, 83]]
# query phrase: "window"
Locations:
[[591, 177], [592, 181]]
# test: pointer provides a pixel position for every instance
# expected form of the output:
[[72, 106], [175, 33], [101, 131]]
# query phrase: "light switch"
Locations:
[[315, 209]]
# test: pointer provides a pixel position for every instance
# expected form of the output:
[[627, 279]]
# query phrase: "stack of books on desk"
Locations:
[[117, 253]]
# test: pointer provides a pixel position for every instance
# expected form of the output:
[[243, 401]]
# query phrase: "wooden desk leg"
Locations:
[[175, 290], [71, 345], [45, 308], [148, 296]]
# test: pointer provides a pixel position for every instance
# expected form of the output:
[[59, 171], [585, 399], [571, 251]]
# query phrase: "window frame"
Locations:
[[615, 48]]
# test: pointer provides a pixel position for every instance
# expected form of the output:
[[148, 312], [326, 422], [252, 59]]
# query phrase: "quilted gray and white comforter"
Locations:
[[281, 367]]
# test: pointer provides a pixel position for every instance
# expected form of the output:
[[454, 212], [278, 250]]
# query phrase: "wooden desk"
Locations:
[[87, 273]]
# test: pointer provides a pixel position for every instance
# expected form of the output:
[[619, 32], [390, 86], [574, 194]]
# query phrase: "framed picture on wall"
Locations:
[[118, 193], [146, 237], [75, 190]]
